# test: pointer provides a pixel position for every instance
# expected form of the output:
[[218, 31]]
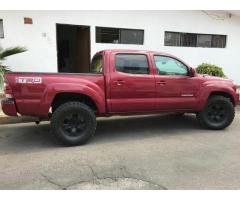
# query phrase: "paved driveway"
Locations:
[[146, 152]]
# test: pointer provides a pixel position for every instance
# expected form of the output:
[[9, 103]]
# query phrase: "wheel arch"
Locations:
[[221, 93], [206, 94], [63, 97], [93, 95]]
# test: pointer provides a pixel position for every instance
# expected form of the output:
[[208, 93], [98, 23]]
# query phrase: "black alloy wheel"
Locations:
[[217, 114], [73, 123]]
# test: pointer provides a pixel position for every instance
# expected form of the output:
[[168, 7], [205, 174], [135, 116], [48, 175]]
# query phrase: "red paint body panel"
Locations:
[[9, 107], [115, 92]]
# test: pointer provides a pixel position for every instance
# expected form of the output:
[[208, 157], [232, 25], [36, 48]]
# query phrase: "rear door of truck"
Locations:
[[132, 83]]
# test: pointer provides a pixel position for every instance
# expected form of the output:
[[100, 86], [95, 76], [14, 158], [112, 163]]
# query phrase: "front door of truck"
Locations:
[[175, 88], [132, 84]]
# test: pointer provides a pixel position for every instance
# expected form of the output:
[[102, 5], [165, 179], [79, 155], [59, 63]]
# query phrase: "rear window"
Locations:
[[132, 63], [97, 64]]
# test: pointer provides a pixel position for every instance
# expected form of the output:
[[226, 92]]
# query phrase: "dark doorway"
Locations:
[[73, 48]]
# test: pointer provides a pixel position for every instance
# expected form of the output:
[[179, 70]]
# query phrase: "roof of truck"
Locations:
[[140, 51], [136, 51]]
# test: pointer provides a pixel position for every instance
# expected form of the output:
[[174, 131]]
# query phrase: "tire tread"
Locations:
[[61, 108], [203, 122]]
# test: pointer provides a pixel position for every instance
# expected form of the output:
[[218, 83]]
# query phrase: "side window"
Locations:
[[132, 63], [170, 66], [1, 29], [97, 64]]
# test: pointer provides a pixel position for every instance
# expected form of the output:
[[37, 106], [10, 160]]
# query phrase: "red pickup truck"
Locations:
[[121, 82]]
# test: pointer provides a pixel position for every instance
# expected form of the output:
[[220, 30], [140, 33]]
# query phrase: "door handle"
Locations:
[[161, 82], [119, 82]]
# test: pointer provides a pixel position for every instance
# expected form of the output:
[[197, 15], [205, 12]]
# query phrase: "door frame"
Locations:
[[122, 101], [78, 25]]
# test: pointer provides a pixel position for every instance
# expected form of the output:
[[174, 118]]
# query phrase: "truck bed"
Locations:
[[33, 92]]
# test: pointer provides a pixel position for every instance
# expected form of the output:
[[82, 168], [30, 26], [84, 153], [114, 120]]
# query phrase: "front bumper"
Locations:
[[8, 107]]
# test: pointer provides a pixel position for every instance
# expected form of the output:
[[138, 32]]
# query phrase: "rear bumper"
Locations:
[[8, 107]]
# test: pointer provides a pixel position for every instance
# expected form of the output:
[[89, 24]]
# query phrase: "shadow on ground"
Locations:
[[142, 126], [22, 136]]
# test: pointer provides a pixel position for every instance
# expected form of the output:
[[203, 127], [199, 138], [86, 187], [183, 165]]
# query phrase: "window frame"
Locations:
[[197, 34], [175, 75], [119, 36], [130, 74]]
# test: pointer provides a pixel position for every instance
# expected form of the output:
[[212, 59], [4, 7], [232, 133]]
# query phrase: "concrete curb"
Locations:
[[15, 120]]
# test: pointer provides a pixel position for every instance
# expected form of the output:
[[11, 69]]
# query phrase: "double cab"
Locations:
[[120, 82]]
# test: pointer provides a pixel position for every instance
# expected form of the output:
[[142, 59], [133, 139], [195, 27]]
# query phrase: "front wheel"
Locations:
[[73, 123], [217, 114]]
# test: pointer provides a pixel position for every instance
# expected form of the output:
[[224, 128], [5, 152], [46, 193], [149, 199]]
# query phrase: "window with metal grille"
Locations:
[[119, 36], [1, 29], [194, 40]]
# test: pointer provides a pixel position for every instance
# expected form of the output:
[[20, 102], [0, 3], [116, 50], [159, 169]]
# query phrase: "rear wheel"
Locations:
[[217, 114], [74, 123]]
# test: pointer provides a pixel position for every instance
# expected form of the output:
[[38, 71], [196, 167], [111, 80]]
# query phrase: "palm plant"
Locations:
[[4, 53]]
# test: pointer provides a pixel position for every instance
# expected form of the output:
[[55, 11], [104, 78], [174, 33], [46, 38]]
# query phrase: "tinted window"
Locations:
[[172, 39], [169, 66], [119, 35], [194, 40], [97, 64], [131, 36], [188, 40], [204, 40], [132, 63], [219, 41], [1, 29]]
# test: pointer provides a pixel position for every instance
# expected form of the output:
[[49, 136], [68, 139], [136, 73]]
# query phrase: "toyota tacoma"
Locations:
[[120, 82]]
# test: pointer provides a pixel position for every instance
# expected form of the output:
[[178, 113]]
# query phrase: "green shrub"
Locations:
[[210, 69]]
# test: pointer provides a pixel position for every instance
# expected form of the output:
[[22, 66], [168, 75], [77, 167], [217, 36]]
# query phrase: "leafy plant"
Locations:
[[210, 69], [4, 53]]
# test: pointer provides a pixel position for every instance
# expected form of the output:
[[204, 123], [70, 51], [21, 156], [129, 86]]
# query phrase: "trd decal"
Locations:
[[29, 80]]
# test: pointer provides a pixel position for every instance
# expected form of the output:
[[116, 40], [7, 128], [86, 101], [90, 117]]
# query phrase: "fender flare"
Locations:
[[92, 91], [207, 90]]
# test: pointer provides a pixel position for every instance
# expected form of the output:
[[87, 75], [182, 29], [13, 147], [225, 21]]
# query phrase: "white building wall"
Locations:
[[40, 37]]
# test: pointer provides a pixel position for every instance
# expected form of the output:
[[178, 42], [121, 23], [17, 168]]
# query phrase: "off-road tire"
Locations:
[[217, 114], [73, 114]]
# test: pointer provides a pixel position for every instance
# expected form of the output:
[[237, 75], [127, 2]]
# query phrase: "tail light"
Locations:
[[234, 88], [7, 89], [238, 90]]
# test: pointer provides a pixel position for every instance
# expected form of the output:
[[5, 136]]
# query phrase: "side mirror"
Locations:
[[192, 72]]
